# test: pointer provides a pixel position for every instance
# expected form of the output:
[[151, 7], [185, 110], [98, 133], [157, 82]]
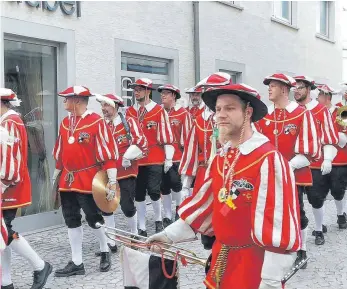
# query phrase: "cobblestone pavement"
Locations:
[[327, 267]]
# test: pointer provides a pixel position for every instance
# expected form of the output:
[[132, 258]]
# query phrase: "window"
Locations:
[[135, 66], [323, 23], [234, 4], [236, 77], [31, 71], [283, 10]]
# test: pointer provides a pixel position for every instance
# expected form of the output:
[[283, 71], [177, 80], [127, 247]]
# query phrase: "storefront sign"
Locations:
[[67, 7]]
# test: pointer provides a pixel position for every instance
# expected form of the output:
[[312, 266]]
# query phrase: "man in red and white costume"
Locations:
[[84, 146], [181, 123], [16, 191], [336, 180], [321, 168], [132, 144], [248, 200], [292, 130], [198, 106], [155, 124]]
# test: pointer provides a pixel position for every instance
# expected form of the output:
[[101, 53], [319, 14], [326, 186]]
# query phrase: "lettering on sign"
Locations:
[[67, 7]]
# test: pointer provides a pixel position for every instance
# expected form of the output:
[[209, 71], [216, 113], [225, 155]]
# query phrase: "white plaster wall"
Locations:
[[264, 46]]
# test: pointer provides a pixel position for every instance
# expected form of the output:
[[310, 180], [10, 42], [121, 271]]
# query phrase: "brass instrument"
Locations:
[[341, 118], [119, 235]]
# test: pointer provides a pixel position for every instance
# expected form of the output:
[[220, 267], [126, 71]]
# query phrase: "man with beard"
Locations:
[[321, 168], [248, 199], [292, 129], [16, 191], [198, 106], [132, 144], [180, 121], [155, 124]]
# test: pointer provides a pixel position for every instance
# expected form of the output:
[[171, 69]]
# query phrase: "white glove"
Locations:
[[159, 237], [112, 176], [329, 153], [186, 181], [133, 152], [326, 167], [55, 174], [275, 267], [126, 163], [298, 162], [110, 193], [167, 165], [342, 140]]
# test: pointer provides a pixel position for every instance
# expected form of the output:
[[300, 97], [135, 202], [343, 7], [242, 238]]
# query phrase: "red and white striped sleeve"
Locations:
[[329, 132], [105, 146], [187, 124], [138, 137], [189, 162], [164, 132], [197, 210], [57, 152], [275, 206], [11, 156], [308, 142]]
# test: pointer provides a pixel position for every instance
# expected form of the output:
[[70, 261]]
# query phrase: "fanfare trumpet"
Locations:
[[133, 240]]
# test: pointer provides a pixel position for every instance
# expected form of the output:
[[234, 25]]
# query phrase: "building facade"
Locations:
[[46, 46]]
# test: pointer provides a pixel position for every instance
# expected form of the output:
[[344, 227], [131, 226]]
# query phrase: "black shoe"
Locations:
[[142, 233], [8, 286], [113, 249], [158, 226], [40, 277], [70, 269], [319, 238], [301, 256], [105, 261], [324, 230], [166, 222], [177, 216], [342, 221]]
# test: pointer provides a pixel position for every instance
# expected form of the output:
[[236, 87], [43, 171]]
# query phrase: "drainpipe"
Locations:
[[196, 40]]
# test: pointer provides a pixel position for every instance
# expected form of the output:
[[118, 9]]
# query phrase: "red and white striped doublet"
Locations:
[[265, 214], [295, 132]]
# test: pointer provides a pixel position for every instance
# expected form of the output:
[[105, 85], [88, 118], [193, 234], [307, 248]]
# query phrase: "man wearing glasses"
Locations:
[[155, 124], [328, 136]]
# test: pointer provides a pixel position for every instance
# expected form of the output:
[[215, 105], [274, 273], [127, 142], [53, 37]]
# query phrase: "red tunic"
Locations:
[[14, 168], [197, 147], [327, 131], [341, 157], [136, 138], [265, 215], [155, 125], [195, 111], [181, 123], [94, 149], [296, 134]]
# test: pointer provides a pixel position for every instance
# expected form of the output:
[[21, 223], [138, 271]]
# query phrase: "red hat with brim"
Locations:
[[309, 81], [110, 99], [325, 88], [7, 94], [172, 88], [144, 82], [194, 89], [76, 91], [245, 92], [285, 79]]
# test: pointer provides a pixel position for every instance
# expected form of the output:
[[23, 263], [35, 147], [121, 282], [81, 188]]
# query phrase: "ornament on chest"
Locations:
[[151, 125], [290, 128], [121, 139], [175, 122], [83, 137]]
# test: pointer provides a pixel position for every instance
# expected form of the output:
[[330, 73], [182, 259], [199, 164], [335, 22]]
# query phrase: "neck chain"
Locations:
[[276, 132], [72, 128]]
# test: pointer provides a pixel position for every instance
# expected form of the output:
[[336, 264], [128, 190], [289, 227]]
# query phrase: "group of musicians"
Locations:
[[249, 166]]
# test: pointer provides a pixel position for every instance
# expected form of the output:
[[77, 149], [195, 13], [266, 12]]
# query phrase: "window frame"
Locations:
[[280, 17]]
